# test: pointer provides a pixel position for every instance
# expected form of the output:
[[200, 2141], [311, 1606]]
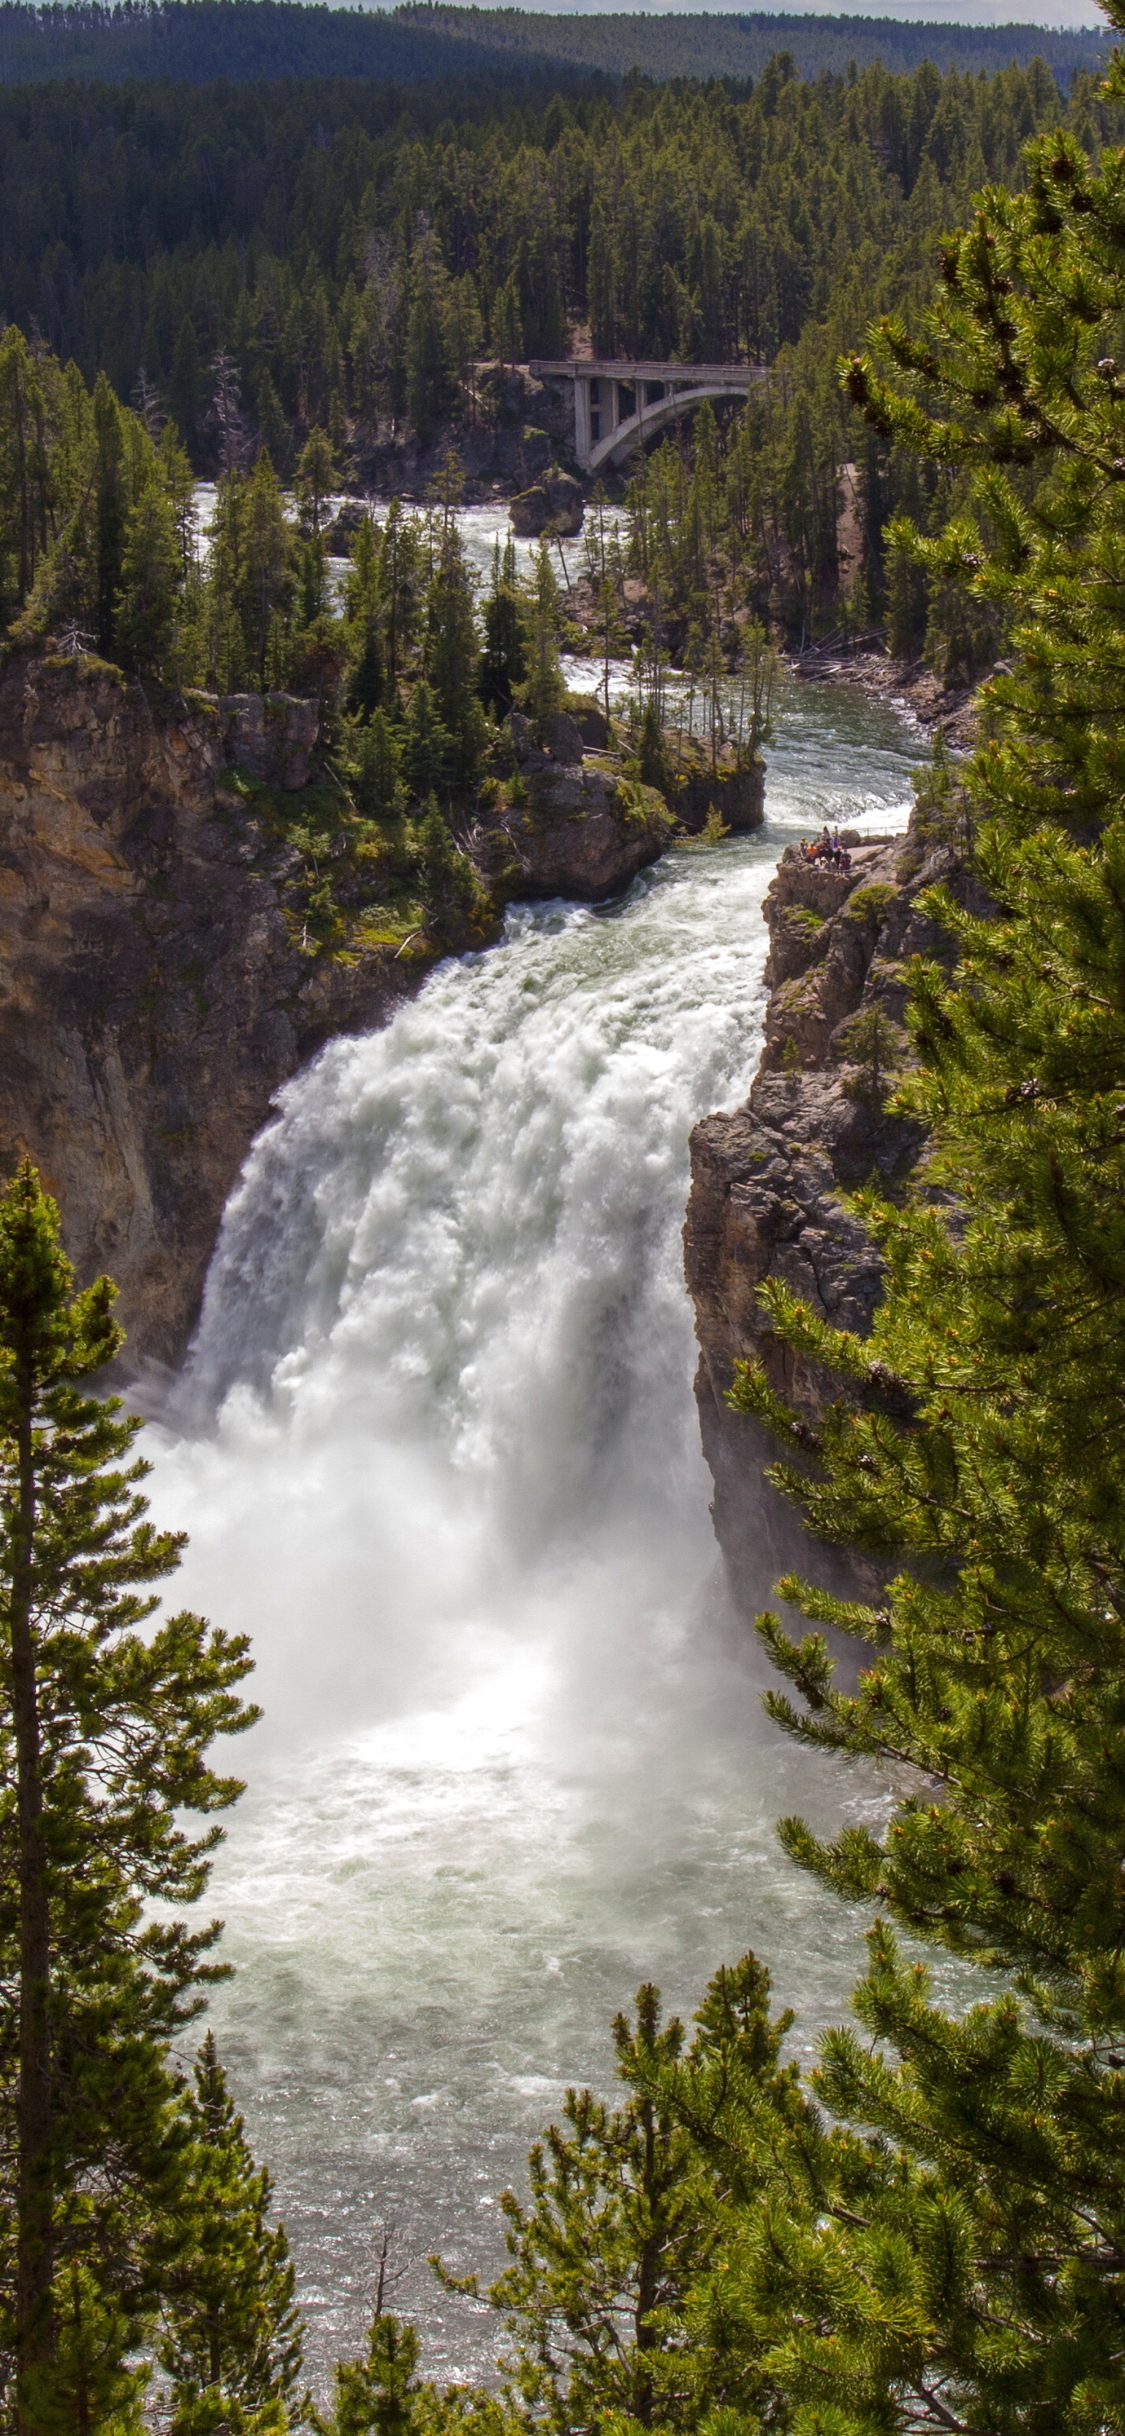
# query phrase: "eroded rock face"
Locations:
[[738, 796], [271, 736], [583, 832], [767, 1180], [151, 998]]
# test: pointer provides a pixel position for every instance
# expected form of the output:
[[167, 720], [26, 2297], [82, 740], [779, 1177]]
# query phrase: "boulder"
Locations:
[[344, 527], [564, 738], [591, 722], [555, 500]]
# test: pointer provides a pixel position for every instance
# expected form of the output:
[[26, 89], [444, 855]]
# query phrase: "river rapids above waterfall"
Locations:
[[437, 1452]]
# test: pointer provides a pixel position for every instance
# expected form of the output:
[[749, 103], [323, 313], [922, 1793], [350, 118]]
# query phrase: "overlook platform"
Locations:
[[618, 404]]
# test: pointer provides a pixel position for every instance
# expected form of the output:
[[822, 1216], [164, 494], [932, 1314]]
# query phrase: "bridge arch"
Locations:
[[602, 433], [646, 421]]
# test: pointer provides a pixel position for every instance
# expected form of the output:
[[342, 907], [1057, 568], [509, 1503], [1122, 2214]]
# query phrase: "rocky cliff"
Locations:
[[158, 981], [770, 1181], [152, 995]]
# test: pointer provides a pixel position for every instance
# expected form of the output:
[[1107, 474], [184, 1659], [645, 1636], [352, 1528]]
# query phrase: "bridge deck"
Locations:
[[622, 368]]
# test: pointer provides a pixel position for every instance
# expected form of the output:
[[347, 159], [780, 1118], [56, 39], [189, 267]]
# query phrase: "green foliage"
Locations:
[[971, 1446], [503, 660], [229, 2343], [346, 248], [615, 2301], [449, 883], [543, 691], [107, 1722], [873, 1045], [151, 574], [451, 659]]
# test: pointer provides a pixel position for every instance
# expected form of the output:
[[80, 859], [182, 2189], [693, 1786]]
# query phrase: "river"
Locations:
[[437, 1451]]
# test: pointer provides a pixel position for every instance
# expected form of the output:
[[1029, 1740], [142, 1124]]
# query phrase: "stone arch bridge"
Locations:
[[618, 405]]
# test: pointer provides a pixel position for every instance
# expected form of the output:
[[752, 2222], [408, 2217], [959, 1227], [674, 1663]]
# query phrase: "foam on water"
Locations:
[[437, 1451]]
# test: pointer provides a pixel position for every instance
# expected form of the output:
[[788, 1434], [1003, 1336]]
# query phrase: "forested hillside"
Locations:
[[249, 40], [353, 255], [740, 46]]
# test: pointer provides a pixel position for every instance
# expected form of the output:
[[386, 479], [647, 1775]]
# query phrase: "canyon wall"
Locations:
[[770, 1180], [152, 993], [157, 982]]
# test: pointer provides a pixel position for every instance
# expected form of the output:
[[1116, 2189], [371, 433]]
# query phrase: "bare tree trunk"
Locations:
[[35, 2243]]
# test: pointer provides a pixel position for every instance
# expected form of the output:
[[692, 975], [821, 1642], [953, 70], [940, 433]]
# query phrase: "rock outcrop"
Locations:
[[769, 1181], [577, 827], [152, 997], [157, 985], [737, 797], [555, 500]]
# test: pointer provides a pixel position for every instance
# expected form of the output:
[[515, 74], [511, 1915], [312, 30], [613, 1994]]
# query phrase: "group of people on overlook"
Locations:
[[827, 848]]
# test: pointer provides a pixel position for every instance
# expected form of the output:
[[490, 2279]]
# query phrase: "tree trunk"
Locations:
[[35, 2246]]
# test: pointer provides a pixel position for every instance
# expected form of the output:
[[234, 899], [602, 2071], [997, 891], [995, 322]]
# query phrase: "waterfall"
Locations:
[[436, 1448]]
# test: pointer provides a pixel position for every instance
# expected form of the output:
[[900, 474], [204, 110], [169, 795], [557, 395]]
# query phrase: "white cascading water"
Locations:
[[437, 1451]]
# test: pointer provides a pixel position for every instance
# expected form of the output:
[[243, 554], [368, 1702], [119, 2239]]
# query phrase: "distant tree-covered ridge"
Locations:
[[198, 41], [347, 251], [740, 46]]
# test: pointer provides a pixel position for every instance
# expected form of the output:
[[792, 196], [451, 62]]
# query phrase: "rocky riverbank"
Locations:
[[163, 964], [944, 710], [771, 1180]]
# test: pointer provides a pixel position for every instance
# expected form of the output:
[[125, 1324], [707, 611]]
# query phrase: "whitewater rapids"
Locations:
[[437, 1451]]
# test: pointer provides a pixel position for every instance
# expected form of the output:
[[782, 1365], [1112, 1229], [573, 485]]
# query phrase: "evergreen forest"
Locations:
[[927, 2230]]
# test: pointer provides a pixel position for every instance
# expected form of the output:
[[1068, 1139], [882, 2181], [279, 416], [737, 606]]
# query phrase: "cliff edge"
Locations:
[[167, 960], [769, 1182], [152, 993]]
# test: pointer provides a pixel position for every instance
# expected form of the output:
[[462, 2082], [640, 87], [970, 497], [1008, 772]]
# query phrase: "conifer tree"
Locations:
[[616, 2302], [965, 2271], [363, 602], [452, 654], [381, 2394], [543, 691], [427, 746], [151, 581], [230, 2337], [374, 761], [265, 573], [110, 512], [503, 660], [447, 876], [107, 1724]]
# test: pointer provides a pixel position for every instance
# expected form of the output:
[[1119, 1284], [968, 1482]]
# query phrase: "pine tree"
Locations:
[[111, 508], [452, 655], [503, 659], [964, 2272], [427, 746], [363, 604], [380, 2395], [617, 2302], [448, 881], [151, 582], [265, 580], [230, 2337], [107, 1724], [543, 691], [375, 764]]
